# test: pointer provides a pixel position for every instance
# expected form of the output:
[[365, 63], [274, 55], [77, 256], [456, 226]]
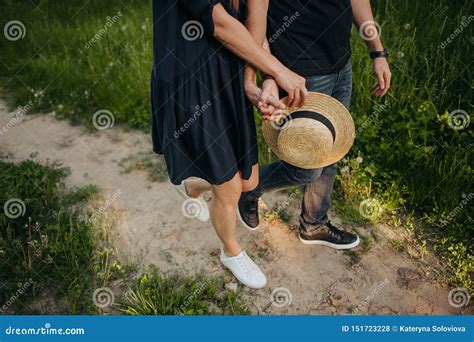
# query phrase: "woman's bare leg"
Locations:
[[252, 182], [196, 186], [223, 208]]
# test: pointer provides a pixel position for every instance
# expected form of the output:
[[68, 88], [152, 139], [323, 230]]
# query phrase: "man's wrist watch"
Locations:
[[379, 54]]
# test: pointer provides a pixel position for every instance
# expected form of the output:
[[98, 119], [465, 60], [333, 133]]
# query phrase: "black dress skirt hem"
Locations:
[[202, 121]]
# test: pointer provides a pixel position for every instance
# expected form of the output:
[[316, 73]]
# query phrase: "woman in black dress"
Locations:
[[202, 121]]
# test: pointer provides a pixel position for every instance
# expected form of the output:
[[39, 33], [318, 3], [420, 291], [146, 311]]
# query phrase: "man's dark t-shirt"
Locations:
[[311, 37]]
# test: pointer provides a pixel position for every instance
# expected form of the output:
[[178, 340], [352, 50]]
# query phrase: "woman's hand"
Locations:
[[266, 102], [267, 99], [269, 104], [253, 93], [294, 85]]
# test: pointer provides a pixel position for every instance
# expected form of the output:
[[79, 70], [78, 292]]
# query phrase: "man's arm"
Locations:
[[362, 13], [235, 37]]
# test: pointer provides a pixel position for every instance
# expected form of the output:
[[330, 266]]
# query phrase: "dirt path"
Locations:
[[152, 230]]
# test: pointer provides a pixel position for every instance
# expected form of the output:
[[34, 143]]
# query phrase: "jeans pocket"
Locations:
[[321, 83]]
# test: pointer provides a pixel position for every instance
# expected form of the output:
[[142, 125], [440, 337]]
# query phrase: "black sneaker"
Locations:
[[328, 235], [247, 211]]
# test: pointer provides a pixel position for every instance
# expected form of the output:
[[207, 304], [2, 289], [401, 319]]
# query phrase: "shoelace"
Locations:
[[333, 231], [252, 206], [245, 264]]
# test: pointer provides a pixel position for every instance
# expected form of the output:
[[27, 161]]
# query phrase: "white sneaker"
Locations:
[[245, 270], [193, 207]]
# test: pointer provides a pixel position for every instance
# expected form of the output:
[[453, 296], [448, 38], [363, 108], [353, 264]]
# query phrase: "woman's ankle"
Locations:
[[232, 249]]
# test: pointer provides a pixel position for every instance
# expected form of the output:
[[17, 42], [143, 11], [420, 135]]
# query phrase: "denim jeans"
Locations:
[[317, 183]]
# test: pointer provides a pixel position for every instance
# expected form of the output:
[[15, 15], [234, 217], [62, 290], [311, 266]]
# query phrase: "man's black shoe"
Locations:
[[248, 212], [328, 235]]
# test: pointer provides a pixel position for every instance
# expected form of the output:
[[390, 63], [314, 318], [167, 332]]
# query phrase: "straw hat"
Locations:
[[315, 135]]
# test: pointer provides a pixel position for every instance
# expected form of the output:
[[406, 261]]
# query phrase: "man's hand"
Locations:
[[384, 76], [294, 85]]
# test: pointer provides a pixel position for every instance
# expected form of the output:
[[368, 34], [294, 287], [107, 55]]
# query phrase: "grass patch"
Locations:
[[354, 257], [175, 294], [61, 70], [155, 165], [43, 241], [54, 248]]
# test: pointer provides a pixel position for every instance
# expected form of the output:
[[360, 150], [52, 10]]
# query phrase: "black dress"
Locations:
[[202, 121]]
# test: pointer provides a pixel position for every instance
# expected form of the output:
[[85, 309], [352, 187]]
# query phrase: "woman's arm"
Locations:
[[237, 39]]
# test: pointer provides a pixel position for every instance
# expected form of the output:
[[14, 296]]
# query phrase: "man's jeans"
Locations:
[[317, 183]]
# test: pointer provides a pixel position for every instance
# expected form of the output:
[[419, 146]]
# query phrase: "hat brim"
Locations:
[[334, 111]]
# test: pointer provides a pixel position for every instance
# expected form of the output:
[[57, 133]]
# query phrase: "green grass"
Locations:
[[153, 294], [414, 163], [51, 251], [47, 245], [57, 71]]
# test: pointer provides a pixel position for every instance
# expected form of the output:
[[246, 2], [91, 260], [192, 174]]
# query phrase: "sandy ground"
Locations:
[[151, 229]]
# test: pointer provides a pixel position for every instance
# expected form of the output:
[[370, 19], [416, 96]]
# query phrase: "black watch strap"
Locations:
[[378, 54]]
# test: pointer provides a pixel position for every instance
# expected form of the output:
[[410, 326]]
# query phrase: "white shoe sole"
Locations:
[[243, 222], [330, 244]]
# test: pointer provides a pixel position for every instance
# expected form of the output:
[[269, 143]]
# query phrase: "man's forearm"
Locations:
[[362, 13], [256, 21]]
